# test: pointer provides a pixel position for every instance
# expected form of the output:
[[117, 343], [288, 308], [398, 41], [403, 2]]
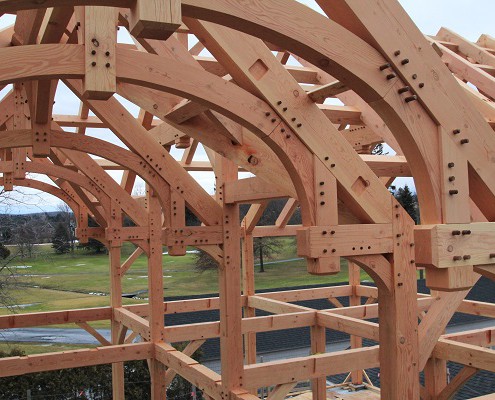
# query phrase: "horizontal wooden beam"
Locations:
[[74, 359], [210, 330], [386, 166], [315, 366], [329, 90], [133, 322], [477, 308], [192, 236], [342, 114], [200, 376], [274, 306], [455, 245], [309, 294], [477, 337], [251, 190], [352, 326], [466, 354], [55, 317], [344, 240]]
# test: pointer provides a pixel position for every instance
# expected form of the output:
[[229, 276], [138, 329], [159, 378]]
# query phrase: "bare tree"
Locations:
[[139, 190], [20, 231], [69, 221], [8, 281]]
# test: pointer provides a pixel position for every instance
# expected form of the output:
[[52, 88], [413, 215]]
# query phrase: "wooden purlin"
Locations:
[[254, 121]]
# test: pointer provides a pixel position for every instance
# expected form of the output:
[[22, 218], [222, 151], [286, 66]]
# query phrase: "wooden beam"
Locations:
[[286, 213], [93, 332], [100, 38], [125, 127], [280, 392], [455, 245], [472, 50], [329, 90], [352, 326], [189, 350], [74, 359], [457, 383], [344, 240], [200, 376], [465, 354], [133, 321], [347, 115], [305, 121], [251, 190], [154, 19], [274, 306], [303, 368]]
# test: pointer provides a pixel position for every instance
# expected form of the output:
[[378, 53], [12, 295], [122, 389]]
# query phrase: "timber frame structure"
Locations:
[[428, 98]]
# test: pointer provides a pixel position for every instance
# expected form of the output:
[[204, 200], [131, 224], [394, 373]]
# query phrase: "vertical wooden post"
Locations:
[[115, 302], [229, 275], [155, 294], [100, 33], [435, 377], [326, 213], [355, 300], [397, 310], [177, 221], [325, 187], [229, 286], [248, 289], [318, 345], [19, 122], [455, 209]]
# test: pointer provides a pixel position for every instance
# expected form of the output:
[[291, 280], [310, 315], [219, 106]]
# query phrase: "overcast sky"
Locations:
[[468, 18]]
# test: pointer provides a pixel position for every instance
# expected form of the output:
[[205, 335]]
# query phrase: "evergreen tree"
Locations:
[[61, 239], [4, 251], [409, 201], [93, 246]]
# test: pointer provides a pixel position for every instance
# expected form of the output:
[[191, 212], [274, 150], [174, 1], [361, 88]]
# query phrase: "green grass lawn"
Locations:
[[37, 348], [57, 282]]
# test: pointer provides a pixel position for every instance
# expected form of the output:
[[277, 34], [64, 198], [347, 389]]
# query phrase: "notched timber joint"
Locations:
[[344, 240], [444, 246]]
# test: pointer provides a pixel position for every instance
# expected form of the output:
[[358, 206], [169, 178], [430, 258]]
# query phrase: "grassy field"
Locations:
[[52, 282], [37, 348]]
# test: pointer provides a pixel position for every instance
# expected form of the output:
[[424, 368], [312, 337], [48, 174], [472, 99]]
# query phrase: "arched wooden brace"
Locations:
[[98, 147], [392, 329], [378, 267], [71, 176], [94, 146], [47, 188], [361, 77], [53, 190], [257, 102], [411, 124], [70, 64], [179, 88]]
